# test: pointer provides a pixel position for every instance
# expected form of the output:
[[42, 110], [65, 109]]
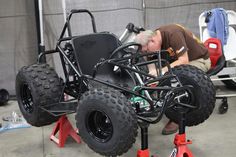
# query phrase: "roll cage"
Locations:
[[76, 81]]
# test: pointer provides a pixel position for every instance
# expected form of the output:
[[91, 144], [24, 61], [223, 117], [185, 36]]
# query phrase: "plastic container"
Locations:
[[14, 121]]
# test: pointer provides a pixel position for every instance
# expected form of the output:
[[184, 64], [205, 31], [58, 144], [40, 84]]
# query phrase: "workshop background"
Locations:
[[18, 42]]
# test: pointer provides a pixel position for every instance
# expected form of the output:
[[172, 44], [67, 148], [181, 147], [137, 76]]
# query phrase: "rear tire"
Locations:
[[203, 99], [37, 85], [106, 121]]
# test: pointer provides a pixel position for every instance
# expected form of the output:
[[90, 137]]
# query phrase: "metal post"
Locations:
[[64, 13], [144, 13], [182, 122], [40, 29], [41, 22], [144, 135], [36, 6]]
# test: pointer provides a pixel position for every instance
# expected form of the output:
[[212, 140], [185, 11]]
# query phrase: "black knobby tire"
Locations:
[[37, 85], [203, 95], [106, 121]]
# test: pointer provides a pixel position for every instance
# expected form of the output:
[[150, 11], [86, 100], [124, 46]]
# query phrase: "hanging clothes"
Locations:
[[218, 24]]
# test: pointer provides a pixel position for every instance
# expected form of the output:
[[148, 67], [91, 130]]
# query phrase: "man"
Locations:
[[187, 47]]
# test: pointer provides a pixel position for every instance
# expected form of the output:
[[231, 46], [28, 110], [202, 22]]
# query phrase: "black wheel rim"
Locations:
[[188, 97], [27, 99], [185, 97], [99, 126]]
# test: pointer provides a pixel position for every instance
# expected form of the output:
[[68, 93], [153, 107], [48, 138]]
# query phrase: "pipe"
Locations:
[[144, 13], [40, 29], [40, 4]]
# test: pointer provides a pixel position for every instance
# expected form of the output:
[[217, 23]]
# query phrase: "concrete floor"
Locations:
[[216, 137]]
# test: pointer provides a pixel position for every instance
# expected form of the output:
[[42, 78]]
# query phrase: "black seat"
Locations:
[[91, 49]]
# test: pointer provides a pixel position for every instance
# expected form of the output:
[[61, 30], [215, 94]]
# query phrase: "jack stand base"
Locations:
[[181, 149], [143, 153], [64, 129]]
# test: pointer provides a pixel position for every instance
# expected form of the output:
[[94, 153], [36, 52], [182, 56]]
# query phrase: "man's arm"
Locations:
[[183, 59]]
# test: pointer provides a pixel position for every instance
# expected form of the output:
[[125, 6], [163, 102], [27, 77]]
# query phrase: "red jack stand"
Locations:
[[143, 153], [181, 148], [64, 127]]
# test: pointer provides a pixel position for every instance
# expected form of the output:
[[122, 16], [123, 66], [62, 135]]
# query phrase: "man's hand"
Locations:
[[153, 72], [152, 69]]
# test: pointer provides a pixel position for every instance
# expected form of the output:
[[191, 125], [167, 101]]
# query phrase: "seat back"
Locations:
[[216, 55], [215, 50], [91, 49]]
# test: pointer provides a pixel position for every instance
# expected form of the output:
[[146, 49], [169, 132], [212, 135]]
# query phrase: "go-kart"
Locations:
[[112, 90], [222, 56]]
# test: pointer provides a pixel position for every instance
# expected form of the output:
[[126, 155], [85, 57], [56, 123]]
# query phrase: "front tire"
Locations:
[[37, 85], [106, 121]]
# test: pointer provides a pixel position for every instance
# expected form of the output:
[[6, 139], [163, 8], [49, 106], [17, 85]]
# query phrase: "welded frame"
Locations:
[[133, 67]]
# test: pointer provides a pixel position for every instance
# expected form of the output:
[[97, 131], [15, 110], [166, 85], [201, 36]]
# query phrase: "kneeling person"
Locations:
[[187, 47]]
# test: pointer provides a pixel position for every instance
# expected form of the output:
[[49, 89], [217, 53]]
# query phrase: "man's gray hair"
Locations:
[[143, 37]]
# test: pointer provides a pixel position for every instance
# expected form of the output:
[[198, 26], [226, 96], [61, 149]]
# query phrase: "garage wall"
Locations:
[[185, 12], [17, 39], [110, 15]]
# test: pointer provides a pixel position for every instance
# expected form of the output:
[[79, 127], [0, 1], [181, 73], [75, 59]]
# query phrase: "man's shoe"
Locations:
[[170, 128]]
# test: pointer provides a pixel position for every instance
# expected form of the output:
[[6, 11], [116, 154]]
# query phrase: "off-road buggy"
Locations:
[[115, 93]]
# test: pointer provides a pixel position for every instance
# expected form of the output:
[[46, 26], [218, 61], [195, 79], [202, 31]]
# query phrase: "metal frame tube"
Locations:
[[64, 9], [144, 13], [120, 62], [64, 13], [40, 4], [40, 29]]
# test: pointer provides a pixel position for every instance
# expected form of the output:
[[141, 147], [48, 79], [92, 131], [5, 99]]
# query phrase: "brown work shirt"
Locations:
[[182, 40]]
